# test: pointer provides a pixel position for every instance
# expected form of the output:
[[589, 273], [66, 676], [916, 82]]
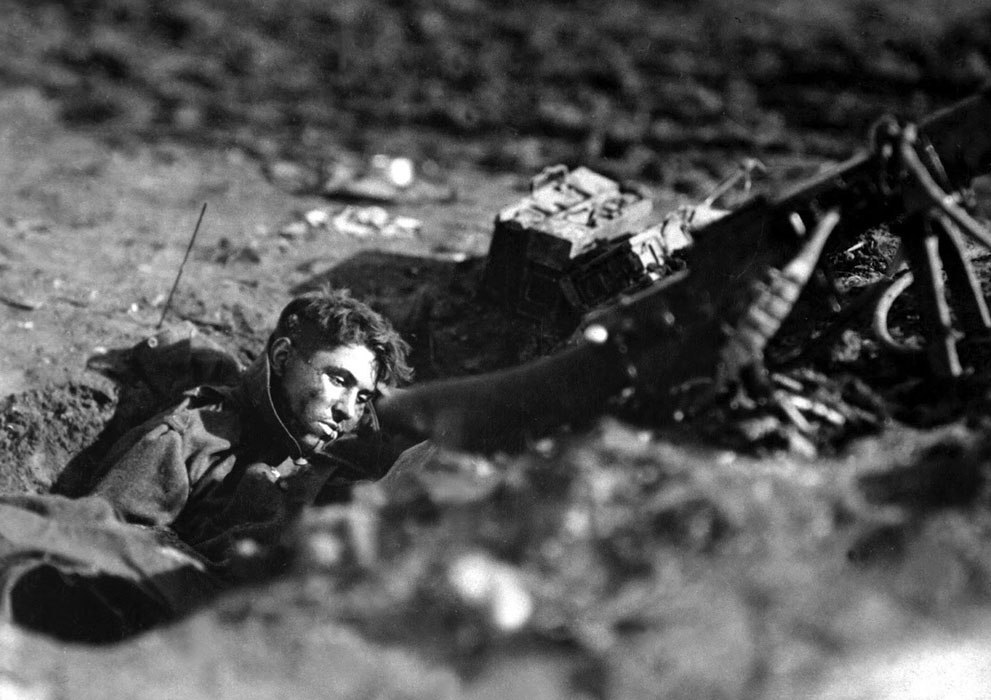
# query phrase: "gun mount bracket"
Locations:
[[933, 239]]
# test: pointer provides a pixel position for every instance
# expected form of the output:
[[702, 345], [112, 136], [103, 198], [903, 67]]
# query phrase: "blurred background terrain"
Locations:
[[637, 86], [614, 562]]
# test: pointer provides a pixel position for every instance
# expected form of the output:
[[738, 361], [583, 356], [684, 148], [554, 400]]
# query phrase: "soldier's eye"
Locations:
[[335, 379]]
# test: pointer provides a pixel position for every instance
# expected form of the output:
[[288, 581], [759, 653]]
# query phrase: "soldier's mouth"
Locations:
[[327, 431]]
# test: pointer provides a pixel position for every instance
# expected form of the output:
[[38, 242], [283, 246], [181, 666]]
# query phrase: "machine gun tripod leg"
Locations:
[[933, 240]]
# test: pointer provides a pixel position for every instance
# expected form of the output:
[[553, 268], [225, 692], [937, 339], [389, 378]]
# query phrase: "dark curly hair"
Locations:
[[332, 318]]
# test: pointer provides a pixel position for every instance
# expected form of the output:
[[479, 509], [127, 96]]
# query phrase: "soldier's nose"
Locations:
[[345, 408]]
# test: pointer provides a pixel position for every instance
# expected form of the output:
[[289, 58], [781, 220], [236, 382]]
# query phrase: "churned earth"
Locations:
[[615, 561]]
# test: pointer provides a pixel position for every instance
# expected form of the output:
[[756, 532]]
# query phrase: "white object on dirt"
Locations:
[[294, 229], [317, 218], [401, 172], [363, 222], [494, 587]]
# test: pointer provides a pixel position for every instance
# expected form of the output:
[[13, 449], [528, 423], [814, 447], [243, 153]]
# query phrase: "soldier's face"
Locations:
[[323, 393]]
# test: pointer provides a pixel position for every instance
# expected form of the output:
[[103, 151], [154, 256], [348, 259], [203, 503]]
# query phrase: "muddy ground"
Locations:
[[618, 561]]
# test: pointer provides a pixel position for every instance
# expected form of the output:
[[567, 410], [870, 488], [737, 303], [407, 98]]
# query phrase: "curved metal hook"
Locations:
[[896, 287]]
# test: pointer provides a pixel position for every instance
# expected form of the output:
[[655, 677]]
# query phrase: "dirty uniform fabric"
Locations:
[[169, 508], [74, 569]]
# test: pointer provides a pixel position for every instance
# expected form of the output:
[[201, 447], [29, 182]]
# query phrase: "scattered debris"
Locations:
[[356, 221], [445, 252], [317, 218], [493, 587], [804, 412], [381, 178], [367, 221], [225, 252]]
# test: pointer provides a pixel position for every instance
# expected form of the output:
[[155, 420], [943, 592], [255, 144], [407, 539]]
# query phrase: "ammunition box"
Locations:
[[624, 265], [537, 241]]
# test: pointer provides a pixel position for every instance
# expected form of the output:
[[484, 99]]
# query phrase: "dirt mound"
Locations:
[[621, 565], [42, 429]]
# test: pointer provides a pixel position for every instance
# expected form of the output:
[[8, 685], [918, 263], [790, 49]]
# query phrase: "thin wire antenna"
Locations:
[[168, 302]]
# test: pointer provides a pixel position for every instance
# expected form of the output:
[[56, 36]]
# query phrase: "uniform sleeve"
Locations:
[[146, 479], [364, 455]]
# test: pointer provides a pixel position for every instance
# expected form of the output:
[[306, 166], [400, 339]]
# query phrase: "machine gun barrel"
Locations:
[[673, 332], [497, 410]]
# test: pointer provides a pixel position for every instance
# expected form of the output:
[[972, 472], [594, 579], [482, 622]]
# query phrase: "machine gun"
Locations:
[[709, 324]]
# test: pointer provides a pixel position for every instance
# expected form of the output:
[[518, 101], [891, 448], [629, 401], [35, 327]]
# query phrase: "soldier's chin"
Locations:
[[314, 441], [311, 441]]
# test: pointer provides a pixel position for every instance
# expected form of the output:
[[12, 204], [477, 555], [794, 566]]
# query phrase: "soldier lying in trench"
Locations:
[[227, 465]]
